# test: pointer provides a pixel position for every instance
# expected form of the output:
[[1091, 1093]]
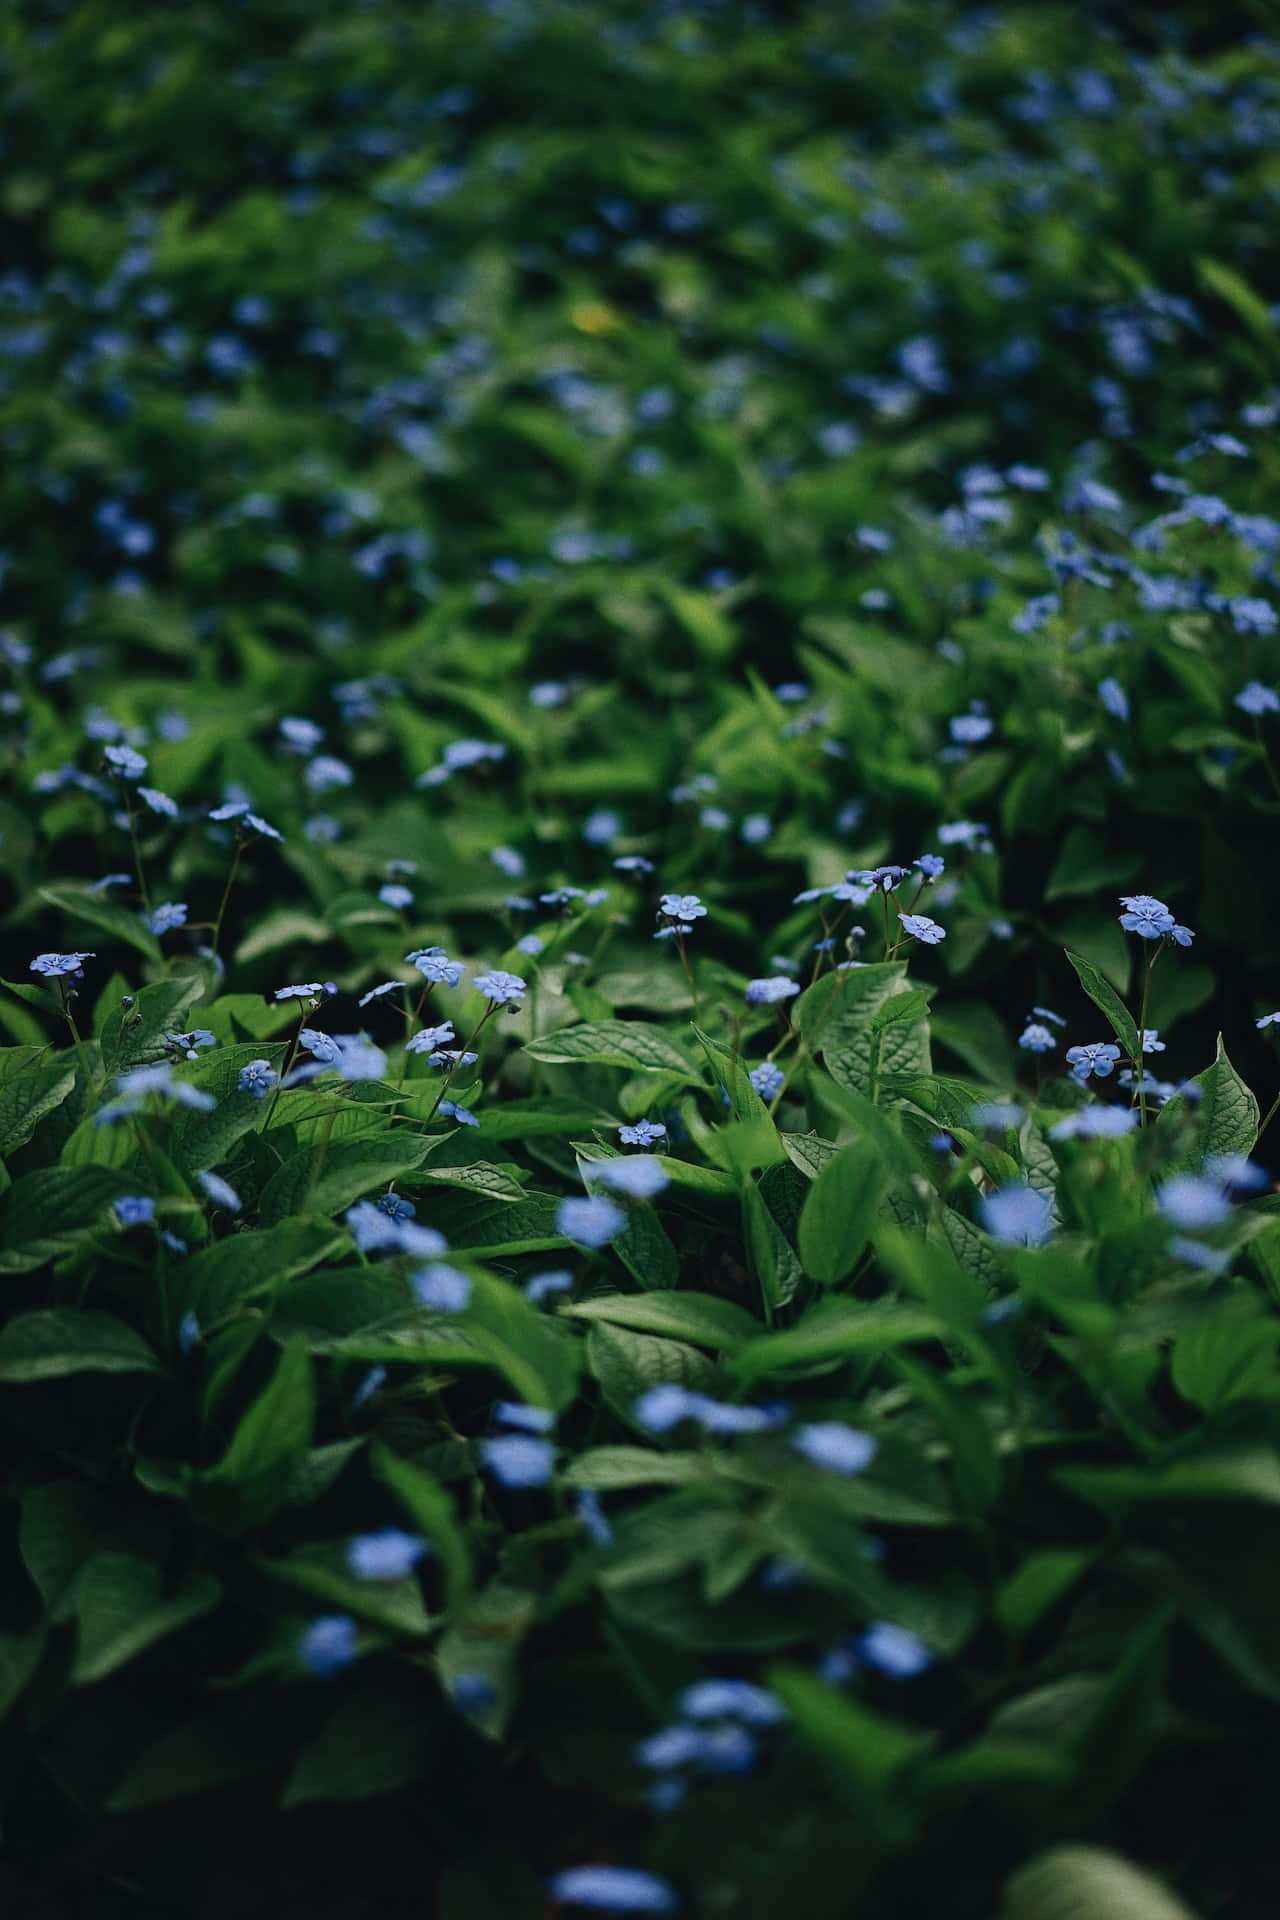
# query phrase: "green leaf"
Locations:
[[318, 1183], [93, 910], [772, 1258], [491, 1182], [211, 1751], [1108, 1002], [900, 1009], [430, 1507], [24, 1101], [1090, 863], [625, 1363], [698, 1317], [53, 1342], [48, 1213], [1224, 1358], [321, 1570], [1087, 1883], [133, 1034], [372, 1743], [20, 1655], [487, 1641], [1227, 1115], [615, 1043], [618, 1469], [252, 1479], [839, 1212], [864, 1752], [835, 1330], [245, 1265], [122, 1608]]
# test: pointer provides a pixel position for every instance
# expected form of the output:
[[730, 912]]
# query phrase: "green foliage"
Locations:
[[527, 480]]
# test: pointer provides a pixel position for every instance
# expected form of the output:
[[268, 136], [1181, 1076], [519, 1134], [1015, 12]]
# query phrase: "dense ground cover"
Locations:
[[639, 1268]]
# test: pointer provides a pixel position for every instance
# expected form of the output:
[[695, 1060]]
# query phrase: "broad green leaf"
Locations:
[[373, 1743], [1224, 1358], [321, 1571], [839, 1213], [698, 1317], [1108, 1002], [122, 1607], [316, 1182], [210, 1283], [836, 1329], [625, 1363], [430, 1507], [252, 1479], [1088, 1883], [136, 1033], [900, 1009], [493, 1183], [486, 1641], [863, 1752], [615, 1043], [618, 1469], [210, 1751], [53, 1342], [1227, 1114], [25, 1100]]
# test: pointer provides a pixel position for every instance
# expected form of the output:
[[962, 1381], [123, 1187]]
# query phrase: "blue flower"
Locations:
[[1047, 1013], [395, 1206], [463, 1115], [682, 906], [57, 966], [219, 1191], [1145, 916], [159, 802], [472, 1693], [642, 1134], [1095, 1123], [531, 945], [921, 927], [835, 1446], [514, 1413], [326, 772], [674, 1746], [257, 1078], [328, 1644], [396, 894], [632, 863], [931, 865], [1267, 1020], [188, 1334], [307, 990], [380, 992], [893, 1650], [1181, 936], [388, 1554], [613, 1890], [503, 989], [768, 1080], [1036, 1038], [125, 762], [731, 1700], [591, 1515], [1195, 1254], [1193, 1203], [163, 919], [662, 1407], [519, 1459], [134, 1212], [441, 1288], [1151, 1041], [189, 1044], [434, 964], [432, 1039], [639, 1177], [592, 1222], [996, 1114], [1017, 1216], [769, 992], [967, 729], [541, 1286], [1114, 698], [1099, 1057]]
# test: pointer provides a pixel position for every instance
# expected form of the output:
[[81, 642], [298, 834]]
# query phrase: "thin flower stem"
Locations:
[[491, 1009], [1272, 1110], [127, 798], [216, 935]]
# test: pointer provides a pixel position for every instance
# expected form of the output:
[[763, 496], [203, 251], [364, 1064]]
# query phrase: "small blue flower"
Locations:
[[219, 1191], [682, 906], [1145, 916], [388, 1554], [1181, 936], [642, 1134], [768, 1080], [931, 865], [432, 1039], [307, 990], [541, 1286], [531, 945], [1151, 1041], [592, 1222], [519, 1459], [921, 927], [163, 919], [134, 1212], [58, 966], [514, 1413], [1195, 1254], [769, 992], [257, 1078], [1095, 1123], [893, 1650], [731, 1700], [441, 1288], [503, 989], [1017, 1216], [639, 1177], [159, 802], [674, 1746], [434, 964], [381, 992], [463, 1115], [663, 1407], [1047, 1013], [125, 762], [395, 1206], [1037, 1038], [967, 729], [996, 1114], [1267, 1020], [591, 1516], [326, 772], [835, 1446], [328, 1644], [1099, 1057], [472, 1693], [188, 1334], [613, 1890], [395, 894], [1114, 698], [1193, 1203], [374, 1379]]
